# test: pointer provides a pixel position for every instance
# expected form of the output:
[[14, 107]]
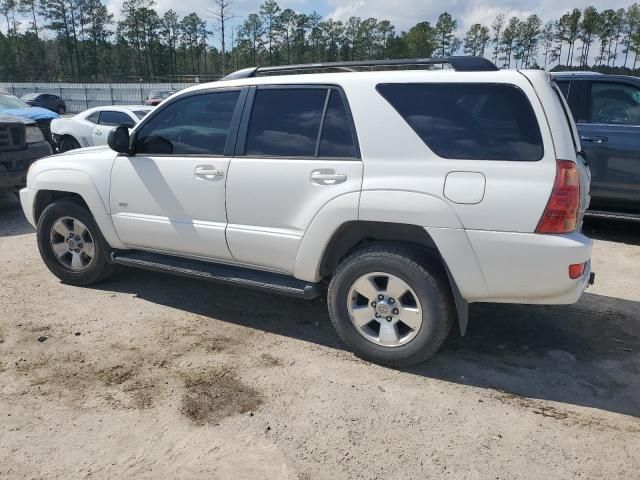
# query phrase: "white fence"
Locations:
[[80, 96]]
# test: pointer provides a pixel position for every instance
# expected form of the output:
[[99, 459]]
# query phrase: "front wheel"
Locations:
[[71, 244], [61, 109], [68, 143], [390, 306]]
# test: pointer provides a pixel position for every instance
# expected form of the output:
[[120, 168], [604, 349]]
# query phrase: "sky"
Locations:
[[402, 13]]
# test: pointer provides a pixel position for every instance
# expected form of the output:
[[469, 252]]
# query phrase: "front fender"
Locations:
[[78, 182]]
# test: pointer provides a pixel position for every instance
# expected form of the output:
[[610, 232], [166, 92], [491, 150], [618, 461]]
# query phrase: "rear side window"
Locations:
[[336, 139], [469, 121], [299, 122]]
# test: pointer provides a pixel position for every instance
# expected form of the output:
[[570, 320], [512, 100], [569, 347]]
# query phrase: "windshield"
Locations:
[[141, 113], [10, 102], [30, 96], [160, 94]]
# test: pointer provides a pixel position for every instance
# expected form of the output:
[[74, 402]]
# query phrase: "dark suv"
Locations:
[[21, 143], [607, 113]]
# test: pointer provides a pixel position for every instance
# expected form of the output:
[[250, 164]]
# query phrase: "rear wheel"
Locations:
[[68, 143], [61, 109], [390, 305], [71, 244]]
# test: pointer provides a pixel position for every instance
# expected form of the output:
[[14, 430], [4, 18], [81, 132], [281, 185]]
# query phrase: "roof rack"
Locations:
[[459, 63]]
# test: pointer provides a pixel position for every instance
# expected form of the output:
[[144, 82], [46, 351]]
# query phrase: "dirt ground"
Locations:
[[151, 376]]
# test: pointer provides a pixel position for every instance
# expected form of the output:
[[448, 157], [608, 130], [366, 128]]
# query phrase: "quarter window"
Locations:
[[615, 103], [93, 118], [197, 124], [469, 121]]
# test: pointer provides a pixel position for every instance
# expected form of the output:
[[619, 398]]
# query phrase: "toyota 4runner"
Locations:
[[406, 191]]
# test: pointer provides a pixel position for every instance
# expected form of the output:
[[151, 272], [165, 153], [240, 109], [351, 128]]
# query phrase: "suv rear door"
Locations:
[[609, 126], [297, 151]]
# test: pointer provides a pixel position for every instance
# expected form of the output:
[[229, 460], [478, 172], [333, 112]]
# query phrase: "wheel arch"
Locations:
[[54, 185], [354, 235]]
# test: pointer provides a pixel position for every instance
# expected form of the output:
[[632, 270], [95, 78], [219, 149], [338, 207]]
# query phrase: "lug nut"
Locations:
[[373, 304], [380, 297], [377, 315], [388, 319], [391, 300], [395, 311]]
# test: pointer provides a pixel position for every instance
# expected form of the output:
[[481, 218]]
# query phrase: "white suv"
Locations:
[[407, 192]]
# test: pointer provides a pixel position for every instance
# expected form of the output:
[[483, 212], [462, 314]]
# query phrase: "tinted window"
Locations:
[[615, 103], [197, 124], [113, 118], [141, 113], [93, 118], [336, 139], [285, 122], [564, 88], [469, 121]]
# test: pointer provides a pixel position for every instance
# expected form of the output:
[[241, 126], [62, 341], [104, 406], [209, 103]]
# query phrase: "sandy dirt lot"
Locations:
[[151, 376]]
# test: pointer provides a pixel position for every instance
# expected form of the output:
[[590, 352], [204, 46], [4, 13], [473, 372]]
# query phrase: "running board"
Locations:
[[613, 215], [219, 273]]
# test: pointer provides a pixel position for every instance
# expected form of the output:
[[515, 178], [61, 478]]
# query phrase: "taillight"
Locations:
[[561, 214]]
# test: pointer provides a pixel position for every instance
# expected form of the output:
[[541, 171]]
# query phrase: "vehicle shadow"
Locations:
[[621, 231], [586, 354], [12, 221]]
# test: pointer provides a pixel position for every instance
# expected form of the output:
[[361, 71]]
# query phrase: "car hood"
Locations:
[[32, 113], [4, 118]]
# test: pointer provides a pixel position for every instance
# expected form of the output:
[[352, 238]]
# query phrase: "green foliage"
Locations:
[[79, 39]]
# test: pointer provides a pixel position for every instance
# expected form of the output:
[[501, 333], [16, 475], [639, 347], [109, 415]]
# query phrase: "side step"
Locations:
[[215, 272], [634, 217]]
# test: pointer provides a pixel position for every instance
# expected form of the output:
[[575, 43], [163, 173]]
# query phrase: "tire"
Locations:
[[87, 262], [61, 110], [68, 143], [428, 301]]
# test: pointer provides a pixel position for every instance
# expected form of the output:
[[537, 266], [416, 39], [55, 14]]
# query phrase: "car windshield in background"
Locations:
[[141, 113], [161, 94], [11, 102], [30, 96]]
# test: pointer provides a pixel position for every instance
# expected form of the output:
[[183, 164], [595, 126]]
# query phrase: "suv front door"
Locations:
[[610, 136], [297, 151], [169, 196]]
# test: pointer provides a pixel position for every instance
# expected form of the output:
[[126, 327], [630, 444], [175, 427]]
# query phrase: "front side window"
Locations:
[[615, 103], [193, 125], [469, 121], [111, 118], [93, 118]]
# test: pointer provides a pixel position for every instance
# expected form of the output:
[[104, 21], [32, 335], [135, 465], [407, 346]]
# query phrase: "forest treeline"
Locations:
[[80, 40]]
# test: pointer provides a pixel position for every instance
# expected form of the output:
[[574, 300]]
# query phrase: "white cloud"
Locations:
[[406, 13]]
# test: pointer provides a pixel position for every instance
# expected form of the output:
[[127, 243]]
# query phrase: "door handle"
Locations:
[[596, 139], [327, 178], [207, 172], [98, 132]]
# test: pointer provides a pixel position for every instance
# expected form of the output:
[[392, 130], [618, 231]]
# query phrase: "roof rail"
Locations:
[[459, 63]]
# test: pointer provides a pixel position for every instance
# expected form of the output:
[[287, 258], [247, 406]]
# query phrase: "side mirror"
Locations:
[[129, 125], [119, 139]]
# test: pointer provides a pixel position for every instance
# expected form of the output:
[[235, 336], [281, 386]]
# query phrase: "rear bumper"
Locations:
[[531, 268], [505, 267]]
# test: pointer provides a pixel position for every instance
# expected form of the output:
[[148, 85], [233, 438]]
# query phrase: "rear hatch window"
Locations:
[[469, 121]]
